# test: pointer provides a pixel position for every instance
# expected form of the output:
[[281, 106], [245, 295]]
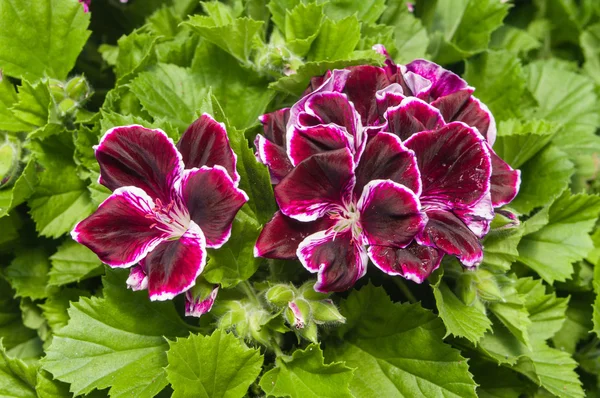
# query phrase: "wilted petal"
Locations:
[[274, 157], [139, 157], [448, 233], [475, 114], [385, 157], [363, 83], [390, 214], [213, 201], [122, 231], [205, 143], [415, 262], [307, 141], [138, 280], [479, 216], [505, 181], [454, 163], [412, 116], [336, 256], [197, 305], [174, 265], [443, 82], [281, 236], [316, 185], [275, 125]]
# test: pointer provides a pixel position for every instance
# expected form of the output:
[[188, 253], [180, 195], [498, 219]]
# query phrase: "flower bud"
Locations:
[[280, 295], [10, 154], [57, 90], [78, 89], [308, 291], [67, 106], [200, 299], [325, 311], [298, 313], [487, 286], [309, 332]]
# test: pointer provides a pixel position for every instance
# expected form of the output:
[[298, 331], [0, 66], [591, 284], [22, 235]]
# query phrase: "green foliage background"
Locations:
[[526, 322]]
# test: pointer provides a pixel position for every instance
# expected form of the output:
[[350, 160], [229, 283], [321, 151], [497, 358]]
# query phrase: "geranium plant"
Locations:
[[299, 198]]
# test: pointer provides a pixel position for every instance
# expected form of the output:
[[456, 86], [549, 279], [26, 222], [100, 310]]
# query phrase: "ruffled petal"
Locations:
[[174, 265], [307, 141], [213, 201], [123, 229], [454, 163], [138, 280], [390, 214], [140, 157], [451, 104], [275, 125], [335, 108], [281, 236], [274, 157], [478, 217], [412, 116], [388, 97], [316, 185], [386, 158], [476, 114], [415, 262], [205, 143], [443, 82], [505, 181], [336, 256], [448, 233], [363, 83]]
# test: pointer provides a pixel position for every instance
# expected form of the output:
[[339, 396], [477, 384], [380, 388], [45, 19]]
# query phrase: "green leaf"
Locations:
[[112, 119], [50, 36], [305, 374], [17, 379], [22, 189], [512, 313], [500, 248], [219, 365], [136, 52], [397, 349], [498, 382], [32, 106], [576, 326], [302, 25], [55, 307], [518, 141], [551, 250], [367, 11], [513, 39], [543, 178], [336, 40], [72, 263], [116, 341], [170, 92], [8, 97], [459, 29], [410, 35], [28, 273], [499, 82], [590, 44], [12, 330]]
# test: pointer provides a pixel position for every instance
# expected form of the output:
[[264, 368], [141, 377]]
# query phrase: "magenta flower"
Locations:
[[169, 204], [86, 5], [416, 126]]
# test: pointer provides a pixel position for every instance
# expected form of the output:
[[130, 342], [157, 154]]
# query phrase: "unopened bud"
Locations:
[[280, 295], [78, 89], [67, 106], [326, 311], [10, 155]]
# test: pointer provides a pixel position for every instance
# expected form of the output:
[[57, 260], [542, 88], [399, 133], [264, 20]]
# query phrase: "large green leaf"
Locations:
[[50, 35], [397, 349], [17, 379], [219, 365], [336, 40], [72, 263], [410, 35], [28, 273]]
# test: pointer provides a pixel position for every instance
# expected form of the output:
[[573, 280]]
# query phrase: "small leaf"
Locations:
[[336, 40], [28, 273], [73, 263]]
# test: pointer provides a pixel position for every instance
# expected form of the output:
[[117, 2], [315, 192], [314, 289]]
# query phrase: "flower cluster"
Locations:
[[390, 163], [169, 203]]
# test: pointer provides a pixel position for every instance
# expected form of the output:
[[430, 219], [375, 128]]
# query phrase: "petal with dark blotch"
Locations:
[[336, 256], [281, 236], [213, 200], [363, 83], [205, 143], [317, 185], [415, 262], [123, 229], [138, 280], [197, 306], [505, 181], [307, 141], [390, 214], [140, 157], [275, 125], [443, 82], [333, 81], [412, 116], [455, 165], [479, 216], [174, 265], [475, 114], [448, 233], [274, 157], [452, 104], [334, 108]]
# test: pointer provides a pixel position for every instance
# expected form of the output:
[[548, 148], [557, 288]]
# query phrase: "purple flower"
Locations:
[[169, 204], [417, 127]]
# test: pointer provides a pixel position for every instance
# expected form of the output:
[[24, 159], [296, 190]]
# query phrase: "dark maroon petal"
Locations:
[[274, 157], [451, 105], [336, 256], [281, 236], [363, 83], [454, 163], [334, 108], [388, 97], [139, 157], [443, 82], [275, 125], [123, 229], [478, 217], [475, 114], [197, 306], [205, 143], [448, 233], [386, 158], [174, 265], [213, 201], [412, 116], [307, 141], [138, 280], [390, 214], [415, 262], [505, 181], [317, 185]]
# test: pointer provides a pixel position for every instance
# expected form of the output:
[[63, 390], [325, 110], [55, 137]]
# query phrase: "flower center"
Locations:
[[347, 217], [171, 218]]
